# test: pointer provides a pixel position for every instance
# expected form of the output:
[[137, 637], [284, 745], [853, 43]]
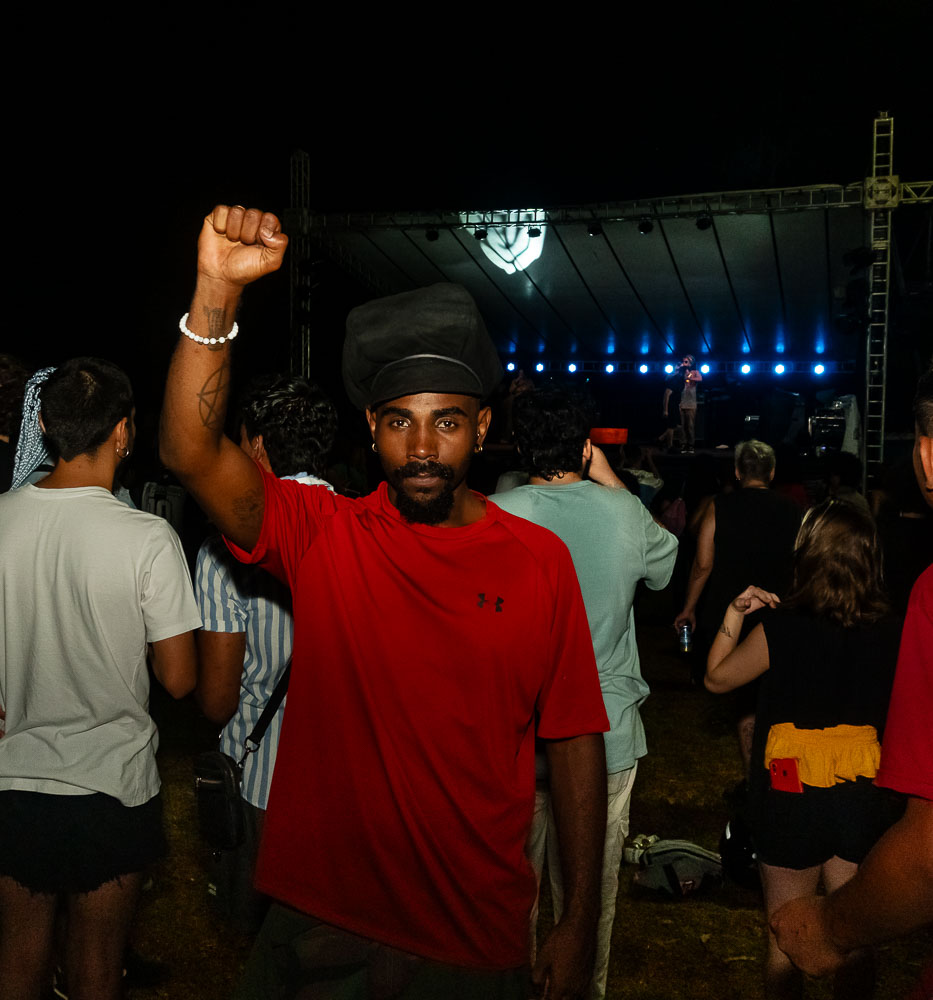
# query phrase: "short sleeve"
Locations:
[[660, 553], [219, 603], [167, 601], [292, 517]]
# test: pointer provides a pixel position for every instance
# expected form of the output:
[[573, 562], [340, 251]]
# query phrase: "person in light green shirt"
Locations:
[[614, 543]]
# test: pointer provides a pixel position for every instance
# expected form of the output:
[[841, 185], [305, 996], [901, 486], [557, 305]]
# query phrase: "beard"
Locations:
[[426, 509]]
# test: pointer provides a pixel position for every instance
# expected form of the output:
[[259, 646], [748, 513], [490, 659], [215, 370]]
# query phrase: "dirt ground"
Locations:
[[709, 945]]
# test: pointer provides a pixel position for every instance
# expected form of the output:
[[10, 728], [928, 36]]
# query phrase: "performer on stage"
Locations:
[[688, 400]]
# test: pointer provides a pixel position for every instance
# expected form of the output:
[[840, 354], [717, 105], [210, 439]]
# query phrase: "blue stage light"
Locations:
[[818, 369], [610, 369], [704, 369], [643, 369], [745, 369], [571, 367], [778, 369], [669, 369], [510, 367], [539, 367]]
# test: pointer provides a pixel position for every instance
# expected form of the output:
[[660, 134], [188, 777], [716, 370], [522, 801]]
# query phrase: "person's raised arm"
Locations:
[[730, 665], [236, 246], [600, 471], [577, 769]]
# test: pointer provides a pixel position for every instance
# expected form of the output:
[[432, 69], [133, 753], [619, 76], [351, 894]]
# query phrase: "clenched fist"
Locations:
[[238, 245]]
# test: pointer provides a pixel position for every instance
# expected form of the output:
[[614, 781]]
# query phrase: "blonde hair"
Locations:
[[754, 460]]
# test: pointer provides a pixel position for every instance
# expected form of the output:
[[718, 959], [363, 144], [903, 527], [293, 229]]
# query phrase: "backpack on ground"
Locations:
[[677, 867]]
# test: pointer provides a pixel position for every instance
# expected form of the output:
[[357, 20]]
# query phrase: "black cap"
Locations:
[[429, 340]]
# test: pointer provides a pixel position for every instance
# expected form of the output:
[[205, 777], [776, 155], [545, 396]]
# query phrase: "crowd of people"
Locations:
[[465, 673]]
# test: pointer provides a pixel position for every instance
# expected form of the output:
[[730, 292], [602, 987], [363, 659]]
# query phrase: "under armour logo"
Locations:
[[482, 600]]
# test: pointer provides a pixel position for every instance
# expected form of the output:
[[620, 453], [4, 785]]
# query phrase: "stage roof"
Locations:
[[729, 277]]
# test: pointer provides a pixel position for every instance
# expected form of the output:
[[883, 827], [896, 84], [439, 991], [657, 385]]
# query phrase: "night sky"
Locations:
[[116, 164]]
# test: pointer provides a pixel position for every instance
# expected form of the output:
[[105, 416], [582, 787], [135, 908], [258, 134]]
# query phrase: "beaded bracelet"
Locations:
[[183, 326]]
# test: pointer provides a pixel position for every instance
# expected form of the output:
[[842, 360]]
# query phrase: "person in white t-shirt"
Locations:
[[87, 586]]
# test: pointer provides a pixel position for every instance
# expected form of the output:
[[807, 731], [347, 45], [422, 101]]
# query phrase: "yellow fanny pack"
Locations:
[[826, 757]]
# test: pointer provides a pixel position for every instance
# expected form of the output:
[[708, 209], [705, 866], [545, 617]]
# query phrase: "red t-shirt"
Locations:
[[404, 781], [907, 750]]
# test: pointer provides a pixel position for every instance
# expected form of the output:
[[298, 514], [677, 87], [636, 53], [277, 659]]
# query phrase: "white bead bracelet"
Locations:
[[183, 326]]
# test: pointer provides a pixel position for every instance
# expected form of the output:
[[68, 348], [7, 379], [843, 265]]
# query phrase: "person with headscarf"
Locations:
[[87, 586]]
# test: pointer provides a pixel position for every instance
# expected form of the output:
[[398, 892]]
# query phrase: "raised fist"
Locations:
[[239, 245]]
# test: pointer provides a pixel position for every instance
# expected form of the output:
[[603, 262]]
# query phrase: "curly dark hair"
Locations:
[[296, 419], [837, 565], [551, 427], [81, 403]]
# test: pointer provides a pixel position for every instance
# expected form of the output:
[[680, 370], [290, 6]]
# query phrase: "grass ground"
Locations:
[[709, 945]]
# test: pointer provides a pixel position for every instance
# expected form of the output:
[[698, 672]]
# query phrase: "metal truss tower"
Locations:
[[298, 229], [882, 193]]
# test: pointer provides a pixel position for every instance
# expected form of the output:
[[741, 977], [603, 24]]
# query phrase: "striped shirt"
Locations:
[[233, 597]]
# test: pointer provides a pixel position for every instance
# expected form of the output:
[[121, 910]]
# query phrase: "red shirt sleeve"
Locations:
[[292, 517]]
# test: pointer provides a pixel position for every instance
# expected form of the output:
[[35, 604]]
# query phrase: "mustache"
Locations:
[[414, 469]]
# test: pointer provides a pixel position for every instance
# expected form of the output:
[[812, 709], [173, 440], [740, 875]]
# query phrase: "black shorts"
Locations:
[[76, 843], [805, 829]]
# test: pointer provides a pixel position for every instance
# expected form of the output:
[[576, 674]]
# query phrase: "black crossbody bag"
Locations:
[[217, 778]]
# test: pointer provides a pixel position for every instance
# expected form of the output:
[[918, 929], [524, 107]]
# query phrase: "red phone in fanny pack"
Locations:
[[784, 775]]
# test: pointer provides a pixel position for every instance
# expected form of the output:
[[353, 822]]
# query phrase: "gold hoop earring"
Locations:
[[375, 451]]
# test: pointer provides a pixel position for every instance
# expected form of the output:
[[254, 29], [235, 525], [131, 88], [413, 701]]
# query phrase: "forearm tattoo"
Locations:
[[217, 325], [212, 398], [724, 628]]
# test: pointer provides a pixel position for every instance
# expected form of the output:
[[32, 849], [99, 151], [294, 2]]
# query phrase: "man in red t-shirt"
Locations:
[[892, 892], [433, 636]]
